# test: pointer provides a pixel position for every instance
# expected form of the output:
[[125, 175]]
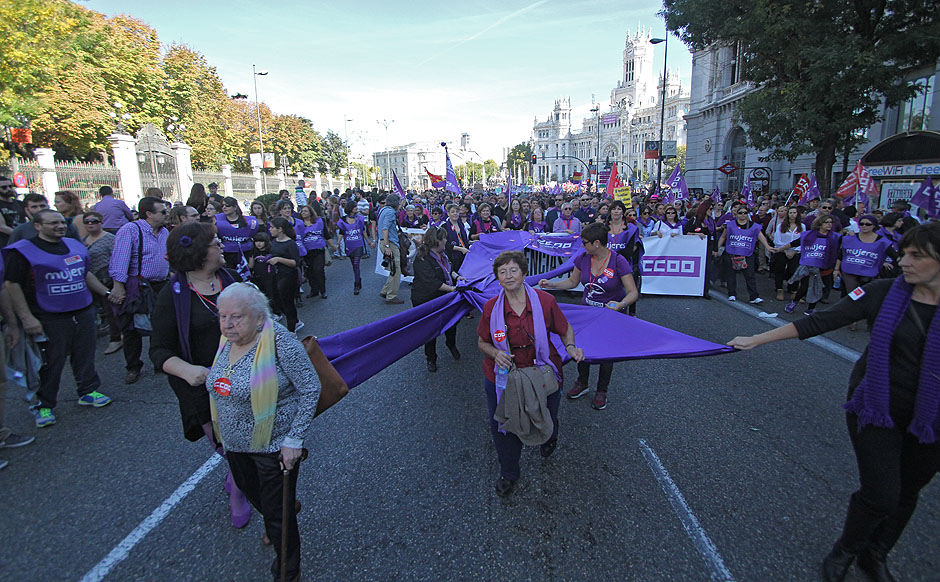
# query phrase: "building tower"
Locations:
[[634, 87]]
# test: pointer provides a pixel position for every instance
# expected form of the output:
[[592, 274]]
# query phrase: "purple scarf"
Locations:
[[444, 262], [871, 399], [500, 334], [179, 285]]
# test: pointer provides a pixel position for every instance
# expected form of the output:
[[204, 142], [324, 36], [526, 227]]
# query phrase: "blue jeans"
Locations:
[[508, 446]]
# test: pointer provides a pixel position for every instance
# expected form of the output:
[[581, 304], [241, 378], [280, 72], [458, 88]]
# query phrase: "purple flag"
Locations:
[[398, 189], [676, 182], [716, 196], [811, 193], [450, 181], [747, 193], [927, 197]]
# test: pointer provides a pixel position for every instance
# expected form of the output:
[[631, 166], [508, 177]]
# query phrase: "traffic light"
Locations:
[[533, 159]]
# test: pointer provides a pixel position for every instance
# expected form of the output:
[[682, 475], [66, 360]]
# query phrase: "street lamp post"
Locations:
[[596, 110], [255, 74], [662, 107], [388, 162], [346, 135]]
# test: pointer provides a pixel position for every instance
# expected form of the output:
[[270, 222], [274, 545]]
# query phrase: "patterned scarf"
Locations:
[[871, 399], [263, 381]]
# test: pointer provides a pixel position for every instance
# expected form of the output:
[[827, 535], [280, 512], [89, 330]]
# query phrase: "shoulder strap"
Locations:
[[140, 251]]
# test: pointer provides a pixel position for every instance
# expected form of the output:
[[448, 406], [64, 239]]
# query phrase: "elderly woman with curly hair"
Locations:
[[263, 393]]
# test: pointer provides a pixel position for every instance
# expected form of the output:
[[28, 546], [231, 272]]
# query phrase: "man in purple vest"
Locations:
[[115, 212], [49, 281], [139, 258]]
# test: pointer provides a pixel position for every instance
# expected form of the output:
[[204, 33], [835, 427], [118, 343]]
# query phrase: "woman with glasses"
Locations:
[[819, 248], [892, 410], [645, 221], [625, 235], [669, 225], [567, 222], [607, 278], [863, 256], [236, 232], [513, 336], [186, 336], [100, 246], [783, 264], [702, 225], [740, 240]]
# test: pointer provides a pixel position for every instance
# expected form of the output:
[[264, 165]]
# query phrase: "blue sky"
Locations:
[[437, 69]]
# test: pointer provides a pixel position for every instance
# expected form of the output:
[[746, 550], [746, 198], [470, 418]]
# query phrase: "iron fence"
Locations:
[[84, 179], [243, 186], [205, 178], [33, 173]]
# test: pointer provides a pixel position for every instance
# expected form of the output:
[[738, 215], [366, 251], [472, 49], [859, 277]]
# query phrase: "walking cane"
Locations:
[[284, 501]]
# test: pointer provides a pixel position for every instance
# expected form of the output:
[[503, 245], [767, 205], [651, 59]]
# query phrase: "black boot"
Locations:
[[875, 566], [432, 365], [836, 565], [356, 288]]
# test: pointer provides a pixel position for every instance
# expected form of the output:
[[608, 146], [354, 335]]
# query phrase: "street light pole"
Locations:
[[596, 110], [255, 74], [662, 107], [388, 162], [346, 135]]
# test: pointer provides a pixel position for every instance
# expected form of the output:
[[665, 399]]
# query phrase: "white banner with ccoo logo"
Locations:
[[674, 265]]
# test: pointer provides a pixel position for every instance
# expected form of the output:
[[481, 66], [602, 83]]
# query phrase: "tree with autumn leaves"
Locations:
[[63, 67]]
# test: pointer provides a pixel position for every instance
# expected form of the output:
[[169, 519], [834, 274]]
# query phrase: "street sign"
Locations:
[[669, 149], [652, 150], [255, 160], [268, 159], [728, 169], [21, 135], [19, 180]]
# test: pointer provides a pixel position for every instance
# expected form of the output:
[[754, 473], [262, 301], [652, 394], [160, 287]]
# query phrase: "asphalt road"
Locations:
[[399, 485]]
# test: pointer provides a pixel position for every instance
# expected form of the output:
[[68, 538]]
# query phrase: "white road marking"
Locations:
[[716, 566], [121, 551], [830, 346]]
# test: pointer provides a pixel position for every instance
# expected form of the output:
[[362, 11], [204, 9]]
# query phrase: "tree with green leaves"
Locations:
[[519, 155], [821, 71], [669, 164], [333, 154]]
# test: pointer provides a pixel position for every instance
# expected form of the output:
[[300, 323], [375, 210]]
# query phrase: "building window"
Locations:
[[737, 63], [914, 114]]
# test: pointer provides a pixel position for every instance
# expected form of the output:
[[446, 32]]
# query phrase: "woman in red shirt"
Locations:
[[513, 333]]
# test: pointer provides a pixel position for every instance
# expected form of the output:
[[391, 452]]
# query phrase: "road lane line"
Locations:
[[719, 572], [827, 344], [121, 551]]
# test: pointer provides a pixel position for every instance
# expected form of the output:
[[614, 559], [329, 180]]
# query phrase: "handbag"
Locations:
[[135, 313], [738, 262], [332, 386]]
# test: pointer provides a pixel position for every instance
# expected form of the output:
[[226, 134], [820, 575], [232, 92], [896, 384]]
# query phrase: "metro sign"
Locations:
[[728, 169]]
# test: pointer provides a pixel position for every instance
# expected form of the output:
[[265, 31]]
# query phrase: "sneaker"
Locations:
[[96, 399], [43, 416], [113, 347], [3, 463], [790, 307], [298, 327], [809, 312], [577, 391], [600, 400], [16, 440], [732, 298], [779, 294], [756, 300]]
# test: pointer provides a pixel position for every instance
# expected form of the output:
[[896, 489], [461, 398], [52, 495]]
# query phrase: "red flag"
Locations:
[[613, 181], [859, 179], [802, 185], [436, 181]]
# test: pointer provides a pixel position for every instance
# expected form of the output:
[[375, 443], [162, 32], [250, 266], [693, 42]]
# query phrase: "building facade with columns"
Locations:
[[413, 161], [715, 138], [618, 130]]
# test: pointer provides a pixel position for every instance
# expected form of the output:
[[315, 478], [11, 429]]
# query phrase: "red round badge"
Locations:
[[608, 273], [499, 335], [222, 386]]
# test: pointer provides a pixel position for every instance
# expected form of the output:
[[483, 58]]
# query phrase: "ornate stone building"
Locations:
[[619, 129]]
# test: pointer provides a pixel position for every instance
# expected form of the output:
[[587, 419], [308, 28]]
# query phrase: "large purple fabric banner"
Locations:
[[605, 335]]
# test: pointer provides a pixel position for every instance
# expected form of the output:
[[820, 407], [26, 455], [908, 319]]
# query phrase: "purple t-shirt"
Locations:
[[353, 233], [606, 287], [863, 259]]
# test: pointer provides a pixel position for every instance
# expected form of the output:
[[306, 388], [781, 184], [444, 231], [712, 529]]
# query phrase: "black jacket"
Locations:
[[428, 278]]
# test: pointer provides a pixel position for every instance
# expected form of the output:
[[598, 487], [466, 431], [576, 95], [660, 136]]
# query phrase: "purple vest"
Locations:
[[861, 258], [60, 279], [234, 238], [313, 236], [299, 228], [353, 233], [619, 242], [741, 241], [820, 252]]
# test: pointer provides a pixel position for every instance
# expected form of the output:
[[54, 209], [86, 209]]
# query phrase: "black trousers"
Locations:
[[450, 340], [603, 375], [893, 466], [783, 269], [804, 288], [260, 478], [508, 446], [133, 341], [285, 287], [315, 262], [749, 277], [72, 338]]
